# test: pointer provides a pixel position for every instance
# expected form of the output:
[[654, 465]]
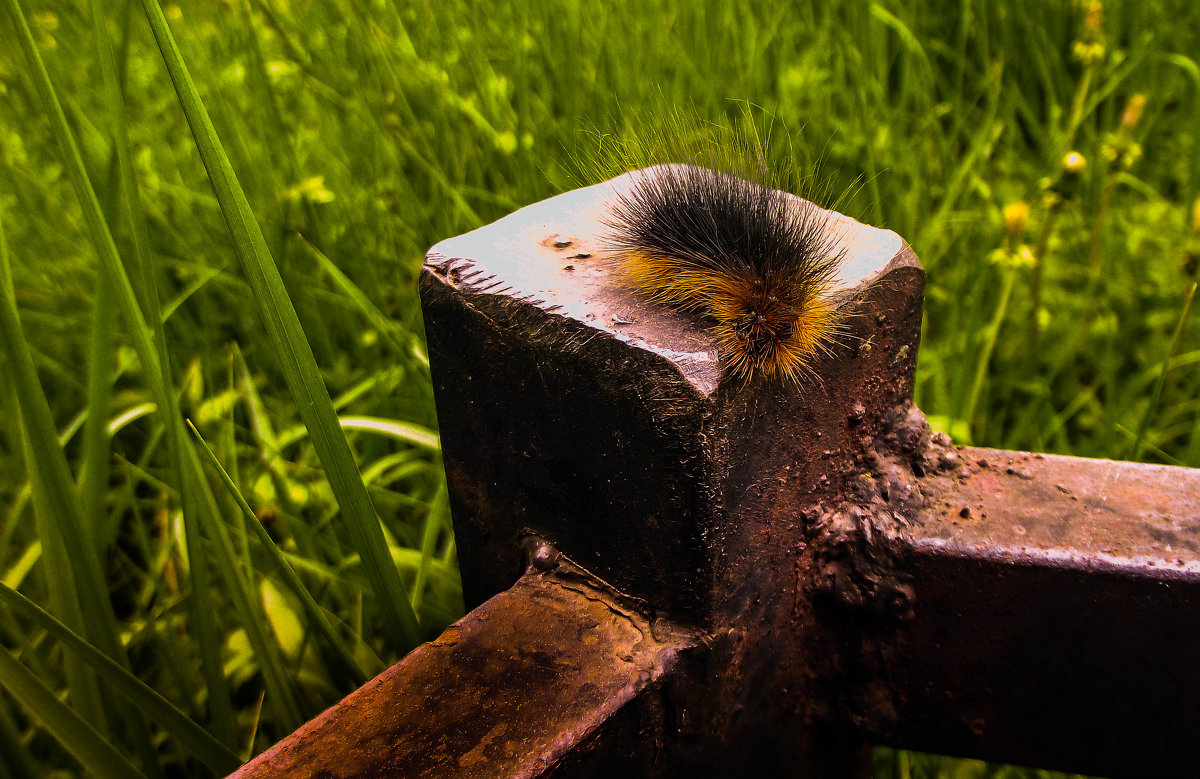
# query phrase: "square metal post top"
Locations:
[[577, 410], [550, 255]]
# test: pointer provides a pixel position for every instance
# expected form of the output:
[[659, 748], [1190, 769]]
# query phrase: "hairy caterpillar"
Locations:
[[758, 262]]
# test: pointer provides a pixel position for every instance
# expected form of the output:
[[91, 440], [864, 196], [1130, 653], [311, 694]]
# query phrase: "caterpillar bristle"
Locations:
[[758, 262]]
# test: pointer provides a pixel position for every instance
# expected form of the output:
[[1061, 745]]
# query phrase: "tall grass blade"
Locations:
[[121, 201], [79, 738], [200, 742], [1139, 442], [93, 480], [240, 587], [93, 593], [294, 353], [407, 432], [57, 510], [316, 616], [434, 521], [991, 335], [14, 754], [202, 625], [82, 686]]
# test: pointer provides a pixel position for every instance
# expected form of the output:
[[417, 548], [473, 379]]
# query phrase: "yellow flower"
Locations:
[[1074, 163], [1133, 112], [1093, 16], [1016, 214], [1021, 257], [312, 189]]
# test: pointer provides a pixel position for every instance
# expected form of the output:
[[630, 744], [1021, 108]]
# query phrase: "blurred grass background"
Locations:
[[1040, 157]]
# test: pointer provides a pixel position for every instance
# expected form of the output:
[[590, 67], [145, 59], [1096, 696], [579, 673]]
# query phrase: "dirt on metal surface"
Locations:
[[555, 662], [1068, 510]]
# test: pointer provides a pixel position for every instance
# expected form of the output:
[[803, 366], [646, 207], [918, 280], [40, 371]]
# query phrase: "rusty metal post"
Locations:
[[582, 425], [576, 412]]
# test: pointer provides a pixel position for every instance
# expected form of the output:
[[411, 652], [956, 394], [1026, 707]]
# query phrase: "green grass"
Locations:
[[248, 580]]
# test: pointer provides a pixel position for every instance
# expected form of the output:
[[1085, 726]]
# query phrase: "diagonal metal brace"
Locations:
[[555, 667]]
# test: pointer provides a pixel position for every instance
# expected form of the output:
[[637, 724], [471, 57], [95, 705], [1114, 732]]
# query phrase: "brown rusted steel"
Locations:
[[806, 569], [556, 666], [575, 410], [1056, 616]]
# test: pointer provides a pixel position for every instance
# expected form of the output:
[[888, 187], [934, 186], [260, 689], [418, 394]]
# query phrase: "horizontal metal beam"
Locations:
[[555, 666], [1055, 619]]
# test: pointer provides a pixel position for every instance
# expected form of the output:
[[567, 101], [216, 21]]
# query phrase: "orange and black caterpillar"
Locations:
[[759, 262]]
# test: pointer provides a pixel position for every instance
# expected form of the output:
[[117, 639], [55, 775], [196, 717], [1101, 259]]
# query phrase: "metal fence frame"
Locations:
[[679, 575]]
